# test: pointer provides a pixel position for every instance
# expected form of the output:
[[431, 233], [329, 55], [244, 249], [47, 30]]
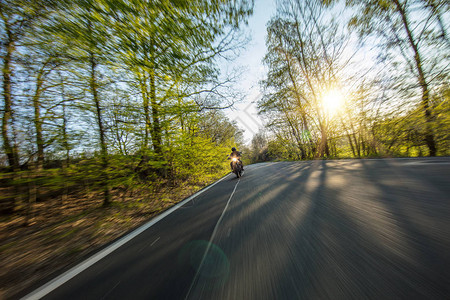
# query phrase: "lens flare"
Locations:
[[332, 101]]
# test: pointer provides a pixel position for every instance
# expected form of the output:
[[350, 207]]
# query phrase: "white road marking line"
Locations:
[[425, 162], [155, 241], [104, 297], [66, 276], [210, 240]]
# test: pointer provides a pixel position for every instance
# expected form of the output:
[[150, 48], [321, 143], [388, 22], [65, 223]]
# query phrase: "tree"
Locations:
[[259, 148], [16, 17], [172, 49], [82, 38], [305, 49], [119, 87], [417, 38]]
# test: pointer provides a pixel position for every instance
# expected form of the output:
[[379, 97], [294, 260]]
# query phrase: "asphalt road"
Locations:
[[351, 229]]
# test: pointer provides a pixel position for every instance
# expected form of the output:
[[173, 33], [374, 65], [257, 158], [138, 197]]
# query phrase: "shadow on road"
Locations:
[[326, 229]]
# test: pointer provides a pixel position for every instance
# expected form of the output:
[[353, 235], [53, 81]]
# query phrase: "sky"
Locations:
[[245, 113], [363, 63]]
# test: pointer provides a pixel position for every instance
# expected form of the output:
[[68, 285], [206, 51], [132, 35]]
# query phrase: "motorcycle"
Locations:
[[236, 166]]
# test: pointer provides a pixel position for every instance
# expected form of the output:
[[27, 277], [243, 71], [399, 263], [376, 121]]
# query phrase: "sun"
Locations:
[[332, 101]]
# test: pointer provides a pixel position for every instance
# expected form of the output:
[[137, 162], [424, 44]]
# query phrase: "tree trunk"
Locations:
[[38, 121], [357, 142], [143, 86], [65, 143], [323, 150], [103, 148], [64, 125], [327, 147], [156, 126], [349, 137], [10, 150], [429, 136]]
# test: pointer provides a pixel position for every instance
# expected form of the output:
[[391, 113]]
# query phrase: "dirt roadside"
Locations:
[[61, 234]]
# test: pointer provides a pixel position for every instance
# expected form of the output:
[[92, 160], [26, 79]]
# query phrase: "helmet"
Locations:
[[233, 149]]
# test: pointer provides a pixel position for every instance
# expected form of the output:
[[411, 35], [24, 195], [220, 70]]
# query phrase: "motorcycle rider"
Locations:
[[236, 154]]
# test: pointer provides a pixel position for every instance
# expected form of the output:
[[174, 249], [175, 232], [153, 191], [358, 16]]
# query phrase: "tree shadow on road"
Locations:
[[324, 230]]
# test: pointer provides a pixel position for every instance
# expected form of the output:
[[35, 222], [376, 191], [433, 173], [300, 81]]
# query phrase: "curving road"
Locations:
[[350, 229]]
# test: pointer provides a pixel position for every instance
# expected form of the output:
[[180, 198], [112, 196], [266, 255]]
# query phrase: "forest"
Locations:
[[114, 110], [107, 95], [355, 79]]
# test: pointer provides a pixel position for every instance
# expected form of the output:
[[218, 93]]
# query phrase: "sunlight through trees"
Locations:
[[395, 105]]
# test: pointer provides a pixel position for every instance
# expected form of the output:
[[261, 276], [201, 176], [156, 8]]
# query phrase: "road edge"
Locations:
[[80, 267]]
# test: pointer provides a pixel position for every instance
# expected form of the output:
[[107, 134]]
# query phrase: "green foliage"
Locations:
[[196, 158], [124, 94]]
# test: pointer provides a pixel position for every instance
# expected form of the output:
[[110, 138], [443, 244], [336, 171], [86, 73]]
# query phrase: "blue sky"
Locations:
[[364, 63], [245, 113]]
